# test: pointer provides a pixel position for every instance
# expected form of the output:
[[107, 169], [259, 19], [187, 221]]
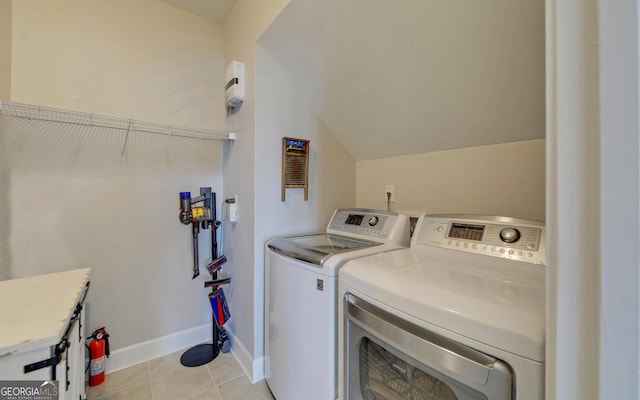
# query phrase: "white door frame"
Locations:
[[593, 199]]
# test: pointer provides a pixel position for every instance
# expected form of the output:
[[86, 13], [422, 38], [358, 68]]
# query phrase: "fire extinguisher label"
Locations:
[[97, 366]]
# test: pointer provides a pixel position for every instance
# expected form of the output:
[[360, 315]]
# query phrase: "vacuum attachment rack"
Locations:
[[204, 216], [201, 216]]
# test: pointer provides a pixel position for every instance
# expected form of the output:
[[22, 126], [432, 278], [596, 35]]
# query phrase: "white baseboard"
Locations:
[[253, 368], [138, 353]]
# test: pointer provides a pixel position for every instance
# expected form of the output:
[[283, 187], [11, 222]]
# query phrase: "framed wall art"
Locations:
[[295, 165]]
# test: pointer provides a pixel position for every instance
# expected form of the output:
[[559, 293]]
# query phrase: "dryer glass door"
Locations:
[[390, 358]]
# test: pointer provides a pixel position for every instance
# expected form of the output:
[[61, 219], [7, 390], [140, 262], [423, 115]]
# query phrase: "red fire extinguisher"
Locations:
[[98, 348]]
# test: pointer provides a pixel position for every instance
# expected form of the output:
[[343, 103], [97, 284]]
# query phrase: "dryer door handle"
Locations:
[[434, 350]]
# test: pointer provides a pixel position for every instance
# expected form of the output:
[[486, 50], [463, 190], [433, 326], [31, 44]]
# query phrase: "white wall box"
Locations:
[[43, 322]]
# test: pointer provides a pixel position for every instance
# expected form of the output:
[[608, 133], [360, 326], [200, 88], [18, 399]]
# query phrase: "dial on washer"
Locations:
[[373, 221], [510, 235]]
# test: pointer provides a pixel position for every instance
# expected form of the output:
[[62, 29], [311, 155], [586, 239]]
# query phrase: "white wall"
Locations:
[[5, 49], [503, 179], [245, 24], [86, 206], [620, 199], [282, 106], [285, 108], [90, 208], [141, 59], [5, 93]]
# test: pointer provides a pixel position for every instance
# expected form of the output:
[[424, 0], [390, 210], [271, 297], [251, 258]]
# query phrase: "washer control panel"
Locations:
[[372, 223], [511, 238]]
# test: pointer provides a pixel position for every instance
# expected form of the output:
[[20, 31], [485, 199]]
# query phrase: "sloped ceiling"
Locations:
[[414, 76], [213, 10]]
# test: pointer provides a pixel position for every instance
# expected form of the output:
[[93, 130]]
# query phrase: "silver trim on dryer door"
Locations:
[[461, 363]]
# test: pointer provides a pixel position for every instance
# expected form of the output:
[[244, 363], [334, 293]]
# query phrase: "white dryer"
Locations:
[[301, 298], [459, 315]]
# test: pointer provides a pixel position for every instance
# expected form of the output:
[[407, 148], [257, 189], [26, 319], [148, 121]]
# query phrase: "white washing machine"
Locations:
[[458, 315], [301, 289]]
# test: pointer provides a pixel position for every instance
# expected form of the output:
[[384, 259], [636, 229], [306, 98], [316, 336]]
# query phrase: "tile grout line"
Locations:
[[229, 380], [150, 380], [215, 384]]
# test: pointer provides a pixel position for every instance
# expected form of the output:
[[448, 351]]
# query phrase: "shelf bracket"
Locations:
[[126, 138]]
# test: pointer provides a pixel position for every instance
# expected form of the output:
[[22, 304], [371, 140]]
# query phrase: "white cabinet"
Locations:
[[42, 331]]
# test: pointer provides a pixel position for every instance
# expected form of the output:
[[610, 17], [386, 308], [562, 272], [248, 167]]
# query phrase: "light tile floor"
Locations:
[[166, 379]]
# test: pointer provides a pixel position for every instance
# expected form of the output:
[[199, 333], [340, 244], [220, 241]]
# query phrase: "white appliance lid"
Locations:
[[495, 301], [317, 248]]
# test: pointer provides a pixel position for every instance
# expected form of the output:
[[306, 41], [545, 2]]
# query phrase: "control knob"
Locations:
[[373, 221], [510, 235]]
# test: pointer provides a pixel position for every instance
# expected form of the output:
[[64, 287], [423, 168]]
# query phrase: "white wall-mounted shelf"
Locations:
[[48, 114]]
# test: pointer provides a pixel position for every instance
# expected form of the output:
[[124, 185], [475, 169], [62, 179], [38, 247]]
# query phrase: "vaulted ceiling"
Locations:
[[213, 10], [414, 76]]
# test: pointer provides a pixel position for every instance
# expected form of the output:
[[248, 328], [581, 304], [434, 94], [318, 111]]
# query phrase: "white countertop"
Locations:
[[34, 311]]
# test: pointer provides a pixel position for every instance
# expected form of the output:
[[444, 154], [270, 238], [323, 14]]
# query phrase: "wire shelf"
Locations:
[[33, 112]]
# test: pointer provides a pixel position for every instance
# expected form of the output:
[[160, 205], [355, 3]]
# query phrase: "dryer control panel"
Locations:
[[515, 239]]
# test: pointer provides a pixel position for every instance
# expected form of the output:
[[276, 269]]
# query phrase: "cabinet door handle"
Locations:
[[66, 362]]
